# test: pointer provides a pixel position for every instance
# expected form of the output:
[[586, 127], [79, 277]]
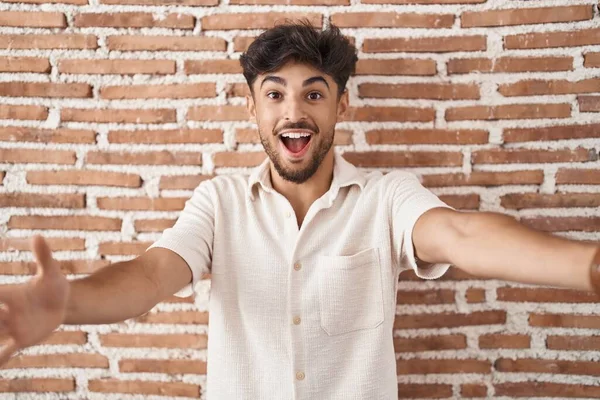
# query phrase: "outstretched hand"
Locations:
[[31, 311]]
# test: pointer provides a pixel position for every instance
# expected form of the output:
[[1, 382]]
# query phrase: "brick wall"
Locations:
[[113, 111]]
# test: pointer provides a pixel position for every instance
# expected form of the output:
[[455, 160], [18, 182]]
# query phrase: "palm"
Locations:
[[31, 311]]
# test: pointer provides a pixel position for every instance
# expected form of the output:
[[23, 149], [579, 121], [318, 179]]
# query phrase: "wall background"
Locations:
[[112, 111]]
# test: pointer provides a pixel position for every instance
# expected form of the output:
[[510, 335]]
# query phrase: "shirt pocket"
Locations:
[[350, 292]]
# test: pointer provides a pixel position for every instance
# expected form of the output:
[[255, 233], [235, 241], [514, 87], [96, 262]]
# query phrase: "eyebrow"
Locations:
[[283, 82]]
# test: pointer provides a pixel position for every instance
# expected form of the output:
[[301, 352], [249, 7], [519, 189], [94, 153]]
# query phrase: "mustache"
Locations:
[[297, 125]]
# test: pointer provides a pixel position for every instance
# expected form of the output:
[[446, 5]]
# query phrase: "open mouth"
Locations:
[[295, 142]]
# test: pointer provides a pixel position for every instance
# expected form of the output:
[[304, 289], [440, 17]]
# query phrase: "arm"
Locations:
[[126, 289], [491, 245]]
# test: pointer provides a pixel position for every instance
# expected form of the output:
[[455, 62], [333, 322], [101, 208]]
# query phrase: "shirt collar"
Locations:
[[344, 174]]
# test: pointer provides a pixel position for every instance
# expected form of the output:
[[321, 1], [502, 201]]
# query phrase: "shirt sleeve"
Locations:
[[192, 235], [409, 202]]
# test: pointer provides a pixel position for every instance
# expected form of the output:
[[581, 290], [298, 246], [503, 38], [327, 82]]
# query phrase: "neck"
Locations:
[[302, 195]]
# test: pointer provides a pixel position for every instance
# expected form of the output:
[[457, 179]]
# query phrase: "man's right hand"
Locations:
[[31, 311]]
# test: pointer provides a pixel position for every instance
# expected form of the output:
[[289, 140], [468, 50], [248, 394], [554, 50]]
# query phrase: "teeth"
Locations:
[[295, 135]]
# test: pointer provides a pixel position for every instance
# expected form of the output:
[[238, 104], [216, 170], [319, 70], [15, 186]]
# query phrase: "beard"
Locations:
[[318, 154]]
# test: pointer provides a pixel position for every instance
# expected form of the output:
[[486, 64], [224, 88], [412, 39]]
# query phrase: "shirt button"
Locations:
[[288, 214], [297, 320], [300, 376], [297, 266]]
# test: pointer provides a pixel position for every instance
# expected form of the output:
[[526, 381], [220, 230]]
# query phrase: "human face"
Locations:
[[296, 109]]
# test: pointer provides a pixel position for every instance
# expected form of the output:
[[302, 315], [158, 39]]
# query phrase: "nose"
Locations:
[[294, 111]]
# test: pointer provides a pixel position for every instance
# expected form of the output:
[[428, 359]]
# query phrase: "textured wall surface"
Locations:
[[112, 111]]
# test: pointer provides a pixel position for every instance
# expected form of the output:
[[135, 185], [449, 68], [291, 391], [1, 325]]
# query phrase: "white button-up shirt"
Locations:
[[302, 313]]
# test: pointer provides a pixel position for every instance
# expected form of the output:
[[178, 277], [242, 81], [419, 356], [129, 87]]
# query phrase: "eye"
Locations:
[[315, 96], [274, 95]]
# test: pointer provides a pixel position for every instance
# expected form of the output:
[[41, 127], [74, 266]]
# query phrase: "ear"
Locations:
[[342, 106], [251, 107]]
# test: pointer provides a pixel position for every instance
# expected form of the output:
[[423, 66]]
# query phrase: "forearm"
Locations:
[[497, 246], [113, 294]]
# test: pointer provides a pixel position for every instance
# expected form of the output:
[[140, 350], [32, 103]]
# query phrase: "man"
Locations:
[[305, 254]]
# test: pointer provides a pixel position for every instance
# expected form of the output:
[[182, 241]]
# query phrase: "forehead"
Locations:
[[294, 73]]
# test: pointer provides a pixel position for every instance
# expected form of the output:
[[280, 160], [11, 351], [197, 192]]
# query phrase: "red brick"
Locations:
[[35, 200], [163, 2], [382, 159], [153, 225], [294, 2], [473, 390], [24, 64], [561, 132], [483, 178], [45, 89], [170, 367], [508, 111], [9, 111], [424, 390], [572, 342], [76, 2], [141, 203], [433, 91], [2, 175], [589, 103], [263, 20], [84, 178], [563, 224], [61, 135], [145, 116], [581, 37], [429, 296], [548, 366], [578, 176], [66, 267], [521, 16], [383, 114], [57, 41], [591, 60], [418, 67], [38, 385], [212, 67], [234, 159], [544, 295], [75, 223], [449, 320], [461, 201], [66, 337], [175, 317], [76, 360], [423, 1], [55, 244], [17, 156], [546, 389], [453, 274], [241, 43], [181, 181], [501, 156], [117, 67], [564, 321], [509, 64], [163, 157], [167, 136], [164, 341], [430, 343], [165, 43], [539, 87], [218, 113], [441, 366], [441, 44], [123, 248], [33, 19], [169, 389], [504, 341], [518, 201], [237, 90], [475, 295], [426, 136], [173, 91], [133, 20], [392, 20]]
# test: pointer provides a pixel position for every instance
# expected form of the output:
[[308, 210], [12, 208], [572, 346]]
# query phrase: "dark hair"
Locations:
[[327, 50]]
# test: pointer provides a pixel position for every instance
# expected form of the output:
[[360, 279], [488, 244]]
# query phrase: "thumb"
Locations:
[[42, 254]]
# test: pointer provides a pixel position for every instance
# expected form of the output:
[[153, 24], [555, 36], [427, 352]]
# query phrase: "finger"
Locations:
[[42, 253], [9, 348]]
